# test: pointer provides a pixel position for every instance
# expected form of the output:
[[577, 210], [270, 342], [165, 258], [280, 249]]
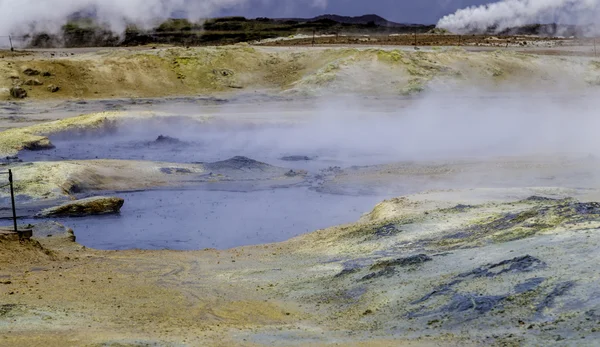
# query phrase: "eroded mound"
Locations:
[[178, 71]]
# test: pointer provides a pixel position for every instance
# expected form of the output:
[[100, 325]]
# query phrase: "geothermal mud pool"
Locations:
[[200, 216], [489, 234]]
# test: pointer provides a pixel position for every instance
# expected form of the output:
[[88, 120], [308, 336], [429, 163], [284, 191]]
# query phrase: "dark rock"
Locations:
[[387, 230], [85, 207], [52, 88], [38, 145], [559, 290], [18, 92], [175, 170], [46, 74], [525, 263], [479, 304], [387, 272], [167, 140], [296, 158], [223, 72], [403, 262], [346, 272], [13, 159], [458, 208], [31, 72], [529, 285], [33, 82], [522, 264], [538, 199], [293, 173]]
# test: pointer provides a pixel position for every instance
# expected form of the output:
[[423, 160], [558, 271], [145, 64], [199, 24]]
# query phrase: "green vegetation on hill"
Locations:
[[218, 31]]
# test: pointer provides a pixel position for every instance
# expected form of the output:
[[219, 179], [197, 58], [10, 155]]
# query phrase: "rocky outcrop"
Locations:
[[33, 82], [31, 72], [18, 92], [99, 205]]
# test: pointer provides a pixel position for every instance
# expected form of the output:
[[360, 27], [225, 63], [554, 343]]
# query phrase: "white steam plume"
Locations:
[[23, 16], [512, 13]]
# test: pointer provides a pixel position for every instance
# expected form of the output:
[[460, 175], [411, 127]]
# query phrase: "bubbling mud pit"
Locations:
[[285, 174]]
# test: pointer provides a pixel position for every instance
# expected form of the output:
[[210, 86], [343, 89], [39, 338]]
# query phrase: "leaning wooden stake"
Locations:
[[12, 198]]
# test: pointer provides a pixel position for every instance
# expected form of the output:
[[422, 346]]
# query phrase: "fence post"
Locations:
[[11, 46], [12, 198]]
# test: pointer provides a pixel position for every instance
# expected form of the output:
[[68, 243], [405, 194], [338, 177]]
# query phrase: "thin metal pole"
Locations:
[[11, 46], [12, 198]]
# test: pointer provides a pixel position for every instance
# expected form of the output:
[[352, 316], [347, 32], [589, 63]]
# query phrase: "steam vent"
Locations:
[[173, 177]]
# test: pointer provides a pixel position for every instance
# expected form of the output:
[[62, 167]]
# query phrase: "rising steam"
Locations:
[[22, 16], [512, 13]]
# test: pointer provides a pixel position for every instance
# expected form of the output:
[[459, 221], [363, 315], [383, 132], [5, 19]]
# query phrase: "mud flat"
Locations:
[[421, 270]]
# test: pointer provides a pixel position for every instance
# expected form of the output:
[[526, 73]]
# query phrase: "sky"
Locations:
[[405, 11]]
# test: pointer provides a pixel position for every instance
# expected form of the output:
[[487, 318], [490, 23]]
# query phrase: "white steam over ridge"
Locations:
[[511, 13], [23, 16]]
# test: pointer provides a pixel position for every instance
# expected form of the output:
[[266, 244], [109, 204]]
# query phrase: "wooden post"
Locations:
[[12, 198], [11, 46]]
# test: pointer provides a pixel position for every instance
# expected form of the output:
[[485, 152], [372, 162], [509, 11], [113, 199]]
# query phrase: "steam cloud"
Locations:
[[511, 13], [22, 16]]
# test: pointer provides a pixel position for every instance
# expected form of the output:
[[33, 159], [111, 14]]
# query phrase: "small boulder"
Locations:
[[46, 74], [31, 72], [52, 88], [18, 92], [94, 206], [33, 82], [38, 144]]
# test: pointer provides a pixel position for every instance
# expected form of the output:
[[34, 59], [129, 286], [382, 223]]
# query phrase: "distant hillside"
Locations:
[[82, 30], [359, 20]]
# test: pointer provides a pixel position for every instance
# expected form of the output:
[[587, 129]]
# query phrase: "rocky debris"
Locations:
[[161, 139], [479, 304], [386, 230], [31, 72], [525, 263], [296, 158], [347, 271], [38, 145], [51, 229], [85, 207], [460, 208], [546, 215], [33, 82], [175, 170], [18, 92], [536, 198], [387, 268], [223, 72], [403, 262], [294, 173], [559, 290], [10, 160], [52, 88]]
